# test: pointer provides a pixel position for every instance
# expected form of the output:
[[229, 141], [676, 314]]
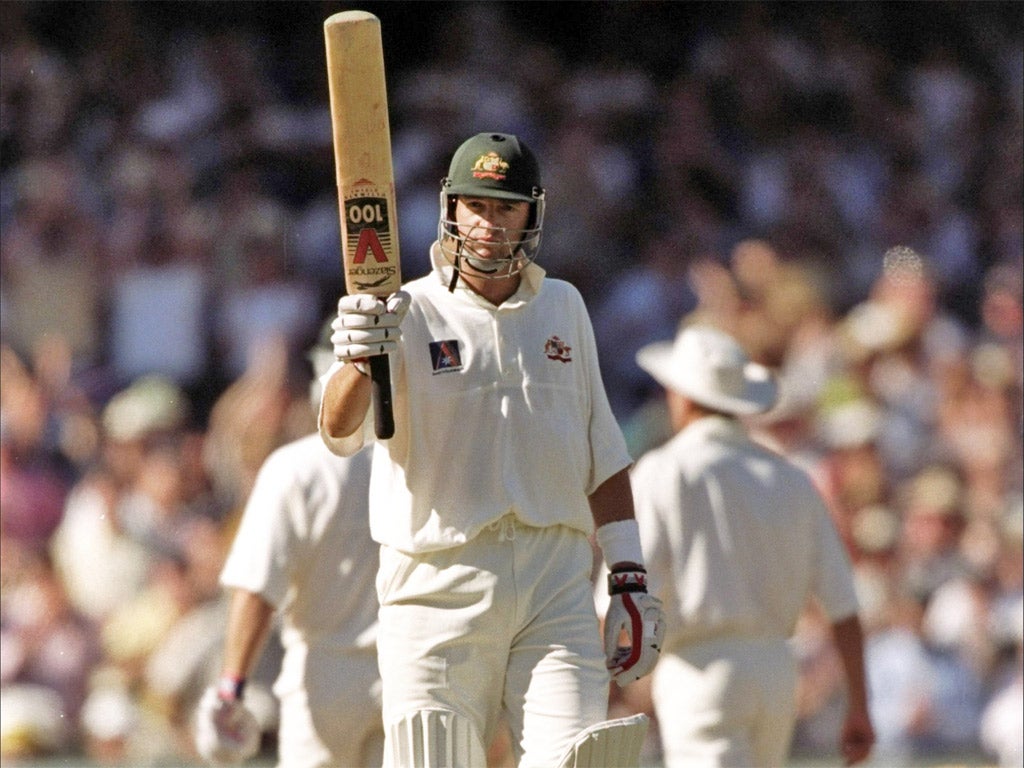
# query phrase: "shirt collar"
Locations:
[[715, 426], [529, 285]]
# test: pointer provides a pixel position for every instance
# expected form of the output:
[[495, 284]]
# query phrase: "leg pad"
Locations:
[[434, 738], [609, 744]]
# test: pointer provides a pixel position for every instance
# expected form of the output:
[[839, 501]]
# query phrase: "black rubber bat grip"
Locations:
[[383, 416]]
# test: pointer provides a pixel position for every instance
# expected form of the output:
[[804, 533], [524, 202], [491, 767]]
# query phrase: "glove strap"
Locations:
[[627, 577], [230, 688]]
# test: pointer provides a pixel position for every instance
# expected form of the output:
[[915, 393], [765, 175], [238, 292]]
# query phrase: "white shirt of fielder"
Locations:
[[526, 374], [735, 558], [303, 530]]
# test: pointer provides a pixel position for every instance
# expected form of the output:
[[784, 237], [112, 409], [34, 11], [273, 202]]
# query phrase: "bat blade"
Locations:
[[364, 174]]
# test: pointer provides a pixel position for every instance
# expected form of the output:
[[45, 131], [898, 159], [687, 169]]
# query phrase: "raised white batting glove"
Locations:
[[226, 733], [367, 325], [637, 615]]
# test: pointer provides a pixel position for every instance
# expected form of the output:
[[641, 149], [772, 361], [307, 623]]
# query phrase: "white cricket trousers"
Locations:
[[332, 719], [505, 622], [726, 703]]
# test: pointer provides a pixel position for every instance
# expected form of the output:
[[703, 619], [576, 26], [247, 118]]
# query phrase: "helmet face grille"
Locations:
[[522, 244]]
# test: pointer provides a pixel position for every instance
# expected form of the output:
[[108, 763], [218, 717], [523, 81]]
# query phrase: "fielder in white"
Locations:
[[737, 540], [505, 459], [301, 551]]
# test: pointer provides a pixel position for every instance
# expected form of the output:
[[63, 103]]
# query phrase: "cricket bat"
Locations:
[[365, 178]]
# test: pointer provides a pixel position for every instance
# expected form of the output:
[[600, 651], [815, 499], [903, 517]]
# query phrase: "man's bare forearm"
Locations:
[[249, 618], [849, 640], [345, 402], [613, 500], [857, 736]]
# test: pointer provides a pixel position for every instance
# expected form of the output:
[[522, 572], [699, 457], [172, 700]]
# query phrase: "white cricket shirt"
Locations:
[[497, 410], [735, 537], [304, 546]]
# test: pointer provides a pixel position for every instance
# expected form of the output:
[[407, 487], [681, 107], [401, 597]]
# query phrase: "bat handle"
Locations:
[[383, 416]]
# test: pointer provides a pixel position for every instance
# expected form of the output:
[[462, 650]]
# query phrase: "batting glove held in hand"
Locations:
[[636, 614], [368, 325], [226, 732]]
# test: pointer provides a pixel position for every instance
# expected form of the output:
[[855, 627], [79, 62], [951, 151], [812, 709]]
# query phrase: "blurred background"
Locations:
[[838, 184]]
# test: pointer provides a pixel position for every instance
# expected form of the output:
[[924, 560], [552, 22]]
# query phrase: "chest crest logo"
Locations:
[[445, 356], [556, 349]]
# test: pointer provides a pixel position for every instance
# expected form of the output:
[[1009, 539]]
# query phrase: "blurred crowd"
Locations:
[[846, 201]]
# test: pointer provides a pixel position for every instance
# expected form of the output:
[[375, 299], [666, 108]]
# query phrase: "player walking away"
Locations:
[[300, 551], [505, 458], [737, 539]]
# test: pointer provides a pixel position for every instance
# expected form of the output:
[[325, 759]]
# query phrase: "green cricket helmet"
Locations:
[[493, 165]]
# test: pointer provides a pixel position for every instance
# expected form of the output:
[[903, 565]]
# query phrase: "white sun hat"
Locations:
[[709, 366]]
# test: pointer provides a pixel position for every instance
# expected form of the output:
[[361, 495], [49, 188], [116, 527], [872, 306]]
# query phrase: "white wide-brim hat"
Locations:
[[709, 367]]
